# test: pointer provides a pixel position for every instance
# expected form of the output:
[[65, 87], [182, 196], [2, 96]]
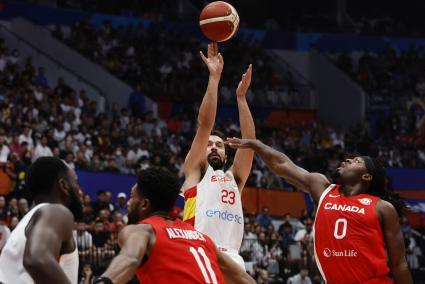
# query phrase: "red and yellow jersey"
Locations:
[[214, 207], [348, 240], [180, 255]]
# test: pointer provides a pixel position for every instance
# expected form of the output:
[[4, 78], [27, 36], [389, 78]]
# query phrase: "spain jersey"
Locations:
[[214, 207], [348, 240], [12, 268], [180, 255]]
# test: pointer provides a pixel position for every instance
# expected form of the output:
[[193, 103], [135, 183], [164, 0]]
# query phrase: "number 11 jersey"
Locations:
[[348, 240]]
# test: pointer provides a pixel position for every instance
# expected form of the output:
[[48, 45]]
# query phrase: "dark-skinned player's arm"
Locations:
[[243, 159], [232, 272], [281, 165], [134, 241], [51, 226], [394, 242], [206, 118]]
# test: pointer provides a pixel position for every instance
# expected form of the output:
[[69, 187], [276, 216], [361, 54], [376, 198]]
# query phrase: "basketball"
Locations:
[[219, 21]]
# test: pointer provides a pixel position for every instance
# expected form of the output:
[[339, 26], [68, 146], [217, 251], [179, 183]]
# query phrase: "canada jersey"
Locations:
[[348, 240], [214, 208], [180, 255], [12, 268]]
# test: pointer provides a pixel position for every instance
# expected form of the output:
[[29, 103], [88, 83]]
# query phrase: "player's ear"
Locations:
[[145, 204], [63, 186], [367, 177]]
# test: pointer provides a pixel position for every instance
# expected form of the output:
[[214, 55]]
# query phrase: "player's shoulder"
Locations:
[[55, 210], [134, 230], [385, 207]]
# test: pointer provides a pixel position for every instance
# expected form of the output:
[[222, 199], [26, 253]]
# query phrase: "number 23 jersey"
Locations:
[[348, 240], [214, 207]]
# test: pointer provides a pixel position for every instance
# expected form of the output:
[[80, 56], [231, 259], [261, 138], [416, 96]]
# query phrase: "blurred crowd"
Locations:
[[395, 85], [164, 63], [377, 18]]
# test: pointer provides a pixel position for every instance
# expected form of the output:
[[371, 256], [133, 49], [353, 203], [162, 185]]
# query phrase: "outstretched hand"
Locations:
[[237, 143], [245, 82], [214, 61]]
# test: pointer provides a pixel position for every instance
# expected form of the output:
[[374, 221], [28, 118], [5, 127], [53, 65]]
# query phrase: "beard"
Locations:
[[215, 163], [76, 206], [133, 217]]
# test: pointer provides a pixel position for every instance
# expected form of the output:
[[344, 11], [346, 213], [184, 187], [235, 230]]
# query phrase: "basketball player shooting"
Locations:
[[162, 250], [213, 203], [357, 221], [41, 249]]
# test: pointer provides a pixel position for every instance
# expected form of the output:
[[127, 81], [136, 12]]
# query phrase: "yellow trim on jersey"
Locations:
[[189, 208]]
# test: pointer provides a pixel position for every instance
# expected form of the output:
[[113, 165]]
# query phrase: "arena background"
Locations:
[[114, 86]]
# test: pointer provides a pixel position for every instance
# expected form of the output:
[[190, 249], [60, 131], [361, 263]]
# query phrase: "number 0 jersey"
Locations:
[[348, 240], [214, 207], [180, 255]]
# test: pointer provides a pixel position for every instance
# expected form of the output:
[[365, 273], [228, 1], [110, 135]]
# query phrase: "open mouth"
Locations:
[[214, 156]]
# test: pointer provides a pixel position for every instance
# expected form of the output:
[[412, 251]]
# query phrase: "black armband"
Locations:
[[103, 279]]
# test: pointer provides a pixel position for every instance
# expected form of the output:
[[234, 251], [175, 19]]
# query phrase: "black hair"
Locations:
[[159, 186], [43, 175], [378, 186], [219, 134]]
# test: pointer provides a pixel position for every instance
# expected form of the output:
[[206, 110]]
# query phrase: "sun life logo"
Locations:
[[327, 252]]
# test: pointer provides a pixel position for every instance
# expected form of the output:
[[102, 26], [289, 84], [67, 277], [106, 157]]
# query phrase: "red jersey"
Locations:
[[180, 255], [348, 240]]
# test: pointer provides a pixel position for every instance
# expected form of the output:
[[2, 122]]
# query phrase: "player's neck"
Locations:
[[351, 189], [163, 214], [47, 199]]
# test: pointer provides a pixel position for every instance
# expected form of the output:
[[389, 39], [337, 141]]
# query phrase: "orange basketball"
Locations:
[[219, 21]]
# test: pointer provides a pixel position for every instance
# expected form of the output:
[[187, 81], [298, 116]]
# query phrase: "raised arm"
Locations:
[[49, 229], [394, 242], [281, 165], [243, 159], [232, 273], [206, 118], [134, 241]]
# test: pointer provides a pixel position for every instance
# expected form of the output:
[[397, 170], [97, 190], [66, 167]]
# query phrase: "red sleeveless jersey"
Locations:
[[180, 255], [348, 240]]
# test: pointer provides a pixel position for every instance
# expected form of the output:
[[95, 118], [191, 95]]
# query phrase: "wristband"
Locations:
[[103, 279]]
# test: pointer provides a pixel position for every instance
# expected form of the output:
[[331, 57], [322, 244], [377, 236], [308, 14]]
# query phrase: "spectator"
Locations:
[[300, 278], [264, 220], [40, 79], [137, 102], [42, 149], [84, 238], [22, 207], [26, 137], [3, 208], [108, 200], [13, 223], [4, 149], [122, 203], [101, 201], [4, 232], [305, 236], [87, 274]]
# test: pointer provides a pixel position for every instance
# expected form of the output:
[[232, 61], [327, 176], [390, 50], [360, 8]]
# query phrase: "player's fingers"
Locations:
[[215, 45], [220, 58], [210, 50], [203, 57]]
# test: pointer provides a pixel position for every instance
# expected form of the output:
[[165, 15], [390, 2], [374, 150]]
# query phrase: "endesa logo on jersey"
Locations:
[[225, 216], [343, 253]]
